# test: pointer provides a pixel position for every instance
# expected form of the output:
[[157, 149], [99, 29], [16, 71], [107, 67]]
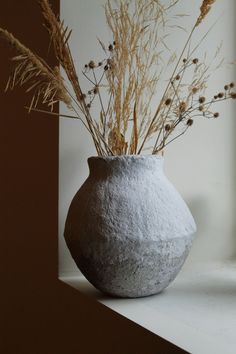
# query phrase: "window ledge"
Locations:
[[197, 312]]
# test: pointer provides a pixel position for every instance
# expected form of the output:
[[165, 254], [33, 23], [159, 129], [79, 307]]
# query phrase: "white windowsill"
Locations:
[[197, 312]]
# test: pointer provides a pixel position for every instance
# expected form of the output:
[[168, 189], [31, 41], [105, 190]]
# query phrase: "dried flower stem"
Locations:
[[46, 82], [128, 76], [167, 87]]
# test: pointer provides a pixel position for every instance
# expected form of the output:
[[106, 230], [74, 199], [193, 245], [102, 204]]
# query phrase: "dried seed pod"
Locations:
[[202, 99], [231, 84], [182, 107], [167, 101], [216, 114], [195, 60], [190, 122], [220, 95], [233, 95], [167, 127], [91, 64]]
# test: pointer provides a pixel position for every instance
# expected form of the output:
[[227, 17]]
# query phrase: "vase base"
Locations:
[[133, 269]]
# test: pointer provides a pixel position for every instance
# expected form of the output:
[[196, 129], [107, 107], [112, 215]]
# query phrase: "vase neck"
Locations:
[[125, 164]]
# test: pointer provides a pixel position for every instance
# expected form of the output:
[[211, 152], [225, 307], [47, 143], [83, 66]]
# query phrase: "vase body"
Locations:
[[128, 229]]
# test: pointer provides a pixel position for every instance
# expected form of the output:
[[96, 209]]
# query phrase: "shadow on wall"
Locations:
[[234, 160], [199, 208], [234, 186], [74, 173], [203, 250]]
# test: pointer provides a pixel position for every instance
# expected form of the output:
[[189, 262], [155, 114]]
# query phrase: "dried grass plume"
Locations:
[[125, 80]]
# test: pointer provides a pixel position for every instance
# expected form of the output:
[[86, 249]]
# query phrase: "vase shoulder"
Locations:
[[131, 198]]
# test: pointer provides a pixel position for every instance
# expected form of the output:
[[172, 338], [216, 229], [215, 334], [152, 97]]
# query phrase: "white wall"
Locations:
[[201, 165]]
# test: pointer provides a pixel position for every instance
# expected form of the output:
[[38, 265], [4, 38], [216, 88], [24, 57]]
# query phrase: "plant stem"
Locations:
[[167, 87]]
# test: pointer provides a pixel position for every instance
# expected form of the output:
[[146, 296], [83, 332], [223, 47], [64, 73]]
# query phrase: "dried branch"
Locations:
[[46, 83]]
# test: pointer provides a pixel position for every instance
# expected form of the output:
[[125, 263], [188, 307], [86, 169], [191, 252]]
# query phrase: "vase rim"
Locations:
[[126, 157]]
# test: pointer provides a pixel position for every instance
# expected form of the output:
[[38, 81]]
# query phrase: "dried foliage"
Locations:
[[204, 9], [134, 64], [125, 81], [46, 83]]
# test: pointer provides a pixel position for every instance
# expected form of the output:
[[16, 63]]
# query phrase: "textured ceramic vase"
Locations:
[[128, 229]]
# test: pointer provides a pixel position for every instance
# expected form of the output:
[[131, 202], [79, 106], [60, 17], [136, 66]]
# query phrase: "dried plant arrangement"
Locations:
[[125, 81]]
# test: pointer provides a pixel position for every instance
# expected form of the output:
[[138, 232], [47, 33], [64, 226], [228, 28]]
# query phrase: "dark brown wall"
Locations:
[[39, 314]]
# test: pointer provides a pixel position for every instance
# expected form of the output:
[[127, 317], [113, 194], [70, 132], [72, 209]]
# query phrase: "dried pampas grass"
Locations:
[[204, 9], [46, 83], [125, 81]]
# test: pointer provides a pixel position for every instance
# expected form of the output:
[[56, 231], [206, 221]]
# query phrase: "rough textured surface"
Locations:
[[128, 229]]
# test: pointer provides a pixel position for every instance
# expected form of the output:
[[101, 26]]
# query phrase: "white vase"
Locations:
[[128, 229]]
